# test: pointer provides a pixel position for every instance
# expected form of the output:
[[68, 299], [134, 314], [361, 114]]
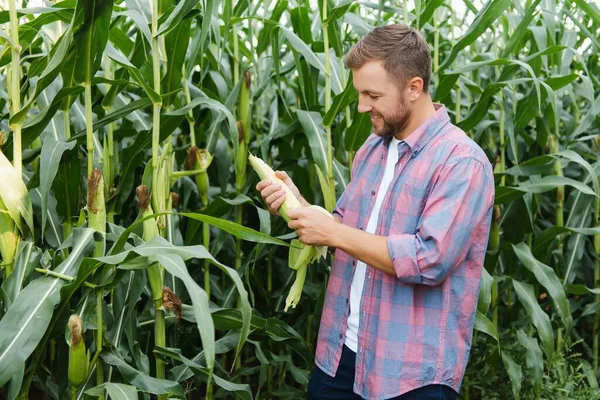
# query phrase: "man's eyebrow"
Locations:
[[375, 92]]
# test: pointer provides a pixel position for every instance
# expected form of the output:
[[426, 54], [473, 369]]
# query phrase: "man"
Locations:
[[410, 233]]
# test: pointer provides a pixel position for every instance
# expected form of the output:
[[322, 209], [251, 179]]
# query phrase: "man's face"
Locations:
[[379, 95]]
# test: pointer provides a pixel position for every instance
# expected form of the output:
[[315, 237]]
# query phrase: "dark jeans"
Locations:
[[323, 387]]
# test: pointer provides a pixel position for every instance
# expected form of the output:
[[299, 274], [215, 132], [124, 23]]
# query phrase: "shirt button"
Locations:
[[347, 301], [372, 193], [353, 262], [360, 227], [341, 336]]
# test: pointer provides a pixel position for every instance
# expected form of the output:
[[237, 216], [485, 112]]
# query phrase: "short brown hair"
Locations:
[[403, 51]]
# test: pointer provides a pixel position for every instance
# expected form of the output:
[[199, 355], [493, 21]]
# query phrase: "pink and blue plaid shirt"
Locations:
[[415, 328]]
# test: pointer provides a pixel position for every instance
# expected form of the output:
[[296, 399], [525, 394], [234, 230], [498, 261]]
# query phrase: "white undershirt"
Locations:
[[358, 280]]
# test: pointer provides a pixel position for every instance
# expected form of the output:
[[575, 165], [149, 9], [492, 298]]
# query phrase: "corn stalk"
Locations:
[[109, 159], [596, 325], [241, 164], [330, 180], [97, 220], [15, 84], [199, 160]]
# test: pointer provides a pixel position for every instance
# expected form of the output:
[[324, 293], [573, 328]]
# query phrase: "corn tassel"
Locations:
[[78, 356], [300, 255]]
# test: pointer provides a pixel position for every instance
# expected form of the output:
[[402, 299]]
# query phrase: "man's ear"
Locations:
[[415, 88]]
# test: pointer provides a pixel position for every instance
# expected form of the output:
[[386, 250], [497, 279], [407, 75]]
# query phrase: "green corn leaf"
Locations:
[[429, 11], [483, 324], [142, 381], [27, 259], [53, 68], [314, 129], [485, 292], [52, 151], [514, 373], [338, 12], [176, 43], [340, 101], [14, 195], [172, 258], [176, 16], [548, 279], [301, 47], [520, 30], [242, 390], [25, 323], [91, 37], [534, 357], [540, 319], [115, 391], [552, 182], [486, 17], [359, 131]]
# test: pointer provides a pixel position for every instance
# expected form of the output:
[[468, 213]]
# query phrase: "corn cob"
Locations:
[[78, 356], [266, 172], [8, 238], [200, 160], [150, 229], [300, 255], [15, 207]]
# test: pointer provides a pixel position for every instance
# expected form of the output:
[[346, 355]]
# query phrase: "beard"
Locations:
[[394, 123]]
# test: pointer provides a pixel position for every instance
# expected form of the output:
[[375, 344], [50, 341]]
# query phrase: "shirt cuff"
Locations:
[[403, 253]]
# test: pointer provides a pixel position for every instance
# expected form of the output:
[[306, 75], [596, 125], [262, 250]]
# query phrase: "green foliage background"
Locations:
[[128, 86]]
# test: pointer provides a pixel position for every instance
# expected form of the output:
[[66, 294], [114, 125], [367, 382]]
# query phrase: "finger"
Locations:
[[262, 184], [274, 207], [269, 190], [271, 198], [284, 177], [281, 174], [294, 224]]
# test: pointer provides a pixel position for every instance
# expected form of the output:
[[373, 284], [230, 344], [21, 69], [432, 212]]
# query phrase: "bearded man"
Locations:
[[410, 233]]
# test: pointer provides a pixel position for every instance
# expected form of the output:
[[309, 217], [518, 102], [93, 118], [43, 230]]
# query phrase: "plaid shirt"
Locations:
[[415, 328]]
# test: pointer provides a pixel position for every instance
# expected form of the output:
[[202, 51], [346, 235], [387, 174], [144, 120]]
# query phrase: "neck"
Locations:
[[421, 111]]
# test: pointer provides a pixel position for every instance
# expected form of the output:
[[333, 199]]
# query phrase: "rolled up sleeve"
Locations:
[[457, 208]]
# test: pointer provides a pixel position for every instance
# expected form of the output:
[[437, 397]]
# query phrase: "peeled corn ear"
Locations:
[[266, 173], [300, 255]]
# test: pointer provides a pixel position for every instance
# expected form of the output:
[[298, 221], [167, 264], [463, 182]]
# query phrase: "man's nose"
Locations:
[[364, 106]]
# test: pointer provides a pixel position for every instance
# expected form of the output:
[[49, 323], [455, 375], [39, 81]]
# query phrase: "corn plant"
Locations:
[[176, 276]]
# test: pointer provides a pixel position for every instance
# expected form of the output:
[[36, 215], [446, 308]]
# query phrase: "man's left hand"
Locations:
[[312, 226]]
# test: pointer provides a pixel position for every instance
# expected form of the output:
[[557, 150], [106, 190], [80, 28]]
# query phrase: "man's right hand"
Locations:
[[273, 193]]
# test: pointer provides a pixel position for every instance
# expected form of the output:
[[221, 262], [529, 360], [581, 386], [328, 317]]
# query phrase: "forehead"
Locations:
[[372, 76]]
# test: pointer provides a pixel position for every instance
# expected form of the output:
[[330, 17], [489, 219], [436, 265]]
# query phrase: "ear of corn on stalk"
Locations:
[[15, 206], [200, 160], [97, 207], [150, 229], [300, 255], [14, 195], [78, 356]]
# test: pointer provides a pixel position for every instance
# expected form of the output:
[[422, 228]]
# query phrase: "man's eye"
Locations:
[[373, 97]]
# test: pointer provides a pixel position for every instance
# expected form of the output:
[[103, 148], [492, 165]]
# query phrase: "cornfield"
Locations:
[[138, 260]]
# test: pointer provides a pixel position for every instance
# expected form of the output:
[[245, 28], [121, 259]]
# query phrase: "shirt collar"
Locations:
[[426, 131]]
